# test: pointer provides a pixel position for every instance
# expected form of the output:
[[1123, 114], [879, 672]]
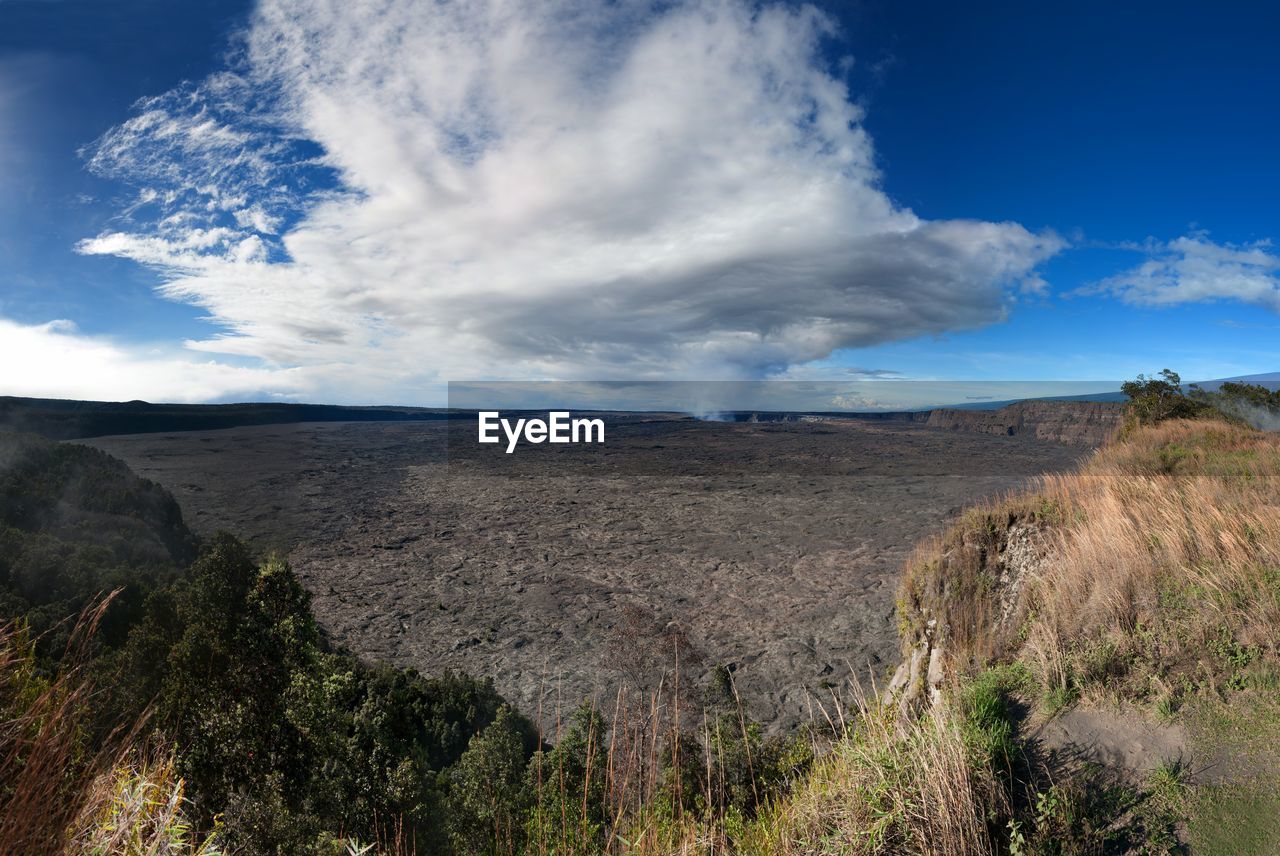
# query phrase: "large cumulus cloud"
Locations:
[[386, 194]]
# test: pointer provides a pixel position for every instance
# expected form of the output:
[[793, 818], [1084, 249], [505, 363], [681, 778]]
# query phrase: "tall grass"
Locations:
[[660, 774], [880, 786], [1160, 562], [137, 807], [887, 787], [46, 762], [64, 789], [1170, 556]]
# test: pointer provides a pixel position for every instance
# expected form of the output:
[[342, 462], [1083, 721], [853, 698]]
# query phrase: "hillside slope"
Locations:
[[1088, 667], [153, 700], [75, 522]]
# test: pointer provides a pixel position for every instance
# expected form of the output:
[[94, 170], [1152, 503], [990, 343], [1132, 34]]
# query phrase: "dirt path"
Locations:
[[1126, 741]]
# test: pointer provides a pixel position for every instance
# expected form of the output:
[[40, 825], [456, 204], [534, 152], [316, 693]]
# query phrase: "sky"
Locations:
[[358, 202]]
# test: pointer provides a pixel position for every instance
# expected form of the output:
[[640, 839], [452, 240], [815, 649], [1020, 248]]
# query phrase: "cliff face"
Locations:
[[1077, 423]]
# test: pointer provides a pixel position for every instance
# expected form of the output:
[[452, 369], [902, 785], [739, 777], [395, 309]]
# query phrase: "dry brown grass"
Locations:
[[1161, 556], [1169, 554]]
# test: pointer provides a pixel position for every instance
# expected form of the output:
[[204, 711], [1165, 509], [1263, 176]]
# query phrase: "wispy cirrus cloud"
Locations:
[[1194, 269], [389, 194]]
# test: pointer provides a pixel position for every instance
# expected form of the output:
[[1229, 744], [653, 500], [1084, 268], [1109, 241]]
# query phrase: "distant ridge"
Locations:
[[1271, 380], [60, 419], [63, 419]]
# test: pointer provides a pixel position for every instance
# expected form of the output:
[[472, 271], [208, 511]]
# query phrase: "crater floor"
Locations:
[[771, 548]]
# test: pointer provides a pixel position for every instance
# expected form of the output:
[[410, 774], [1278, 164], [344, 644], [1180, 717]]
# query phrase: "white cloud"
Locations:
[[54, 360], [526, 189], [1193, 269]]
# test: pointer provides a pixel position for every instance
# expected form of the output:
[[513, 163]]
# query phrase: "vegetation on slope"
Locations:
[[204, 684], [1147, 582], [1157, 574], [198, 708], [202, 710], [1144, 583], [75, 522]]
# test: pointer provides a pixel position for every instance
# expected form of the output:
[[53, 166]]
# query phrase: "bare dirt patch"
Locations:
[[1125, 741], [773, 549]]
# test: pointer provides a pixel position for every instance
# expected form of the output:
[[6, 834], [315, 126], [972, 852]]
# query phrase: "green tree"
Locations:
[[1157, 398], [489, 793], [568, 782], [246, 631]]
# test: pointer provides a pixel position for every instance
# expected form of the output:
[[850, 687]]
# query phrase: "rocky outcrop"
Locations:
[[1024, 551], [964, 603], [917, 681], [1076, 423]]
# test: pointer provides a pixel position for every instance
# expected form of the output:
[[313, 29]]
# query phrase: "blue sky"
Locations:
[[359, 204], [69, 71], [1114, 122]]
